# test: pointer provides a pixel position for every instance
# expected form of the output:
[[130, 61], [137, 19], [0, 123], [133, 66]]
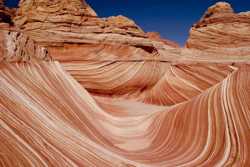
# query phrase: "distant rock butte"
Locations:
[[221, 31]]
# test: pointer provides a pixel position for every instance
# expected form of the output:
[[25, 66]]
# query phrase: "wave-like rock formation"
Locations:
[[80, 90], [48, 119]]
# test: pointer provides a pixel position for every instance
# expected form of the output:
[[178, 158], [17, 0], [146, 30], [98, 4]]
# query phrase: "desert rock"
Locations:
[[221, 31], [80, 90]]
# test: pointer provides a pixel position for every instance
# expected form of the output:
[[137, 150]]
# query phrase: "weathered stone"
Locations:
[[221, 31]]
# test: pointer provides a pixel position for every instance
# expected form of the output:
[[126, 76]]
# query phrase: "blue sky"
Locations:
[[171, 18]]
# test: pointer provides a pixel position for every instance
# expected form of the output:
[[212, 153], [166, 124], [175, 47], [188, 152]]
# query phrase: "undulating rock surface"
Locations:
[[80, 90]]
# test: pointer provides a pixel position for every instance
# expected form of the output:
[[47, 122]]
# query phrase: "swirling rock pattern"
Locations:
[[79, 90], [62, 125]]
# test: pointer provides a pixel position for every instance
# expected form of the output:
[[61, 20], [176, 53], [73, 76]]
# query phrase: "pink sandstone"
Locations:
[[79, 90]]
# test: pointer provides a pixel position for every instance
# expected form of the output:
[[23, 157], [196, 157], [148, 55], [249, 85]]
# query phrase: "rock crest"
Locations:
[[221, 31]]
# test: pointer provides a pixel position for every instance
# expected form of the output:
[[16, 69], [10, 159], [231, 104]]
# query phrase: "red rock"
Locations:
[[18, 47], [79, 90], [156, 36], [55, 25], [44, 110], [221, 31]]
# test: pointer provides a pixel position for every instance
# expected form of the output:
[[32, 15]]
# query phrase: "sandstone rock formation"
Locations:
[[47, 118], [157, 36], [18, 47], [221, 30], [59, 23], [73, 20], [79, 90]]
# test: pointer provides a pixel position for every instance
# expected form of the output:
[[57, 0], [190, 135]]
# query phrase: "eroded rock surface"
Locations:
[[57, 24], [79, 90], [18, 47], [222, 31]]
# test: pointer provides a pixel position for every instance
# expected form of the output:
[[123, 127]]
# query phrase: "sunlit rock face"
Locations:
[[73, 21], [57, 23], [222, 31], [34, 8], [157, 36], [79, 90]]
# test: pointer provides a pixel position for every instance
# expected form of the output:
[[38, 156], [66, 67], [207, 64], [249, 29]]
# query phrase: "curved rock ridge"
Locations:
[[62, 125], [221, 31], [148, 81]]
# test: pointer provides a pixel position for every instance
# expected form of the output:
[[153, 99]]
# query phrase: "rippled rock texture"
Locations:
[[79, 90]]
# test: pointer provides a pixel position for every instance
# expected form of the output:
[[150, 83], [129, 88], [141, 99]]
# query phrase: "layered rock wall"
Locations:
[[221, 31]]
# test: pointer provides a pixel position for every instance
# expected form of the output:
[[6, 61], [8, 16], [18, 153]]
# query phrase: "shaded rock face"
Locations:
[[6, 14], [221, 30]]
